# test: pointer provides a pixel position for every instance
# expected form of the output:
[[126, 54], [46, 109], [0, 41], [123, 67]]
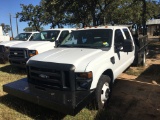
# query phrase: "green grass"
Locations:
[[135, 71]]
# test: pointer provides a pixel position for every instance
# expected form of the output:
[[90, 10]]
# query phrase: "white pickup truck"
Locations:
[[82, 68], [5, 45], [44, 41]]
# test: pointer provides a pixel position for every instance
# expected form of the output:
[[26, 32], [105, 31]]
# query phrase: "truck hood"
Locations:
[[10, 43], [79, 57], [34, 44]]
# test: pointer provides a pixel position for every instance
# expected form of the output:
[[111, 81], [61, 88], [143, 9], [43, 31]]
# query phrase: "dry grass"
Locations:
[[136, 71]]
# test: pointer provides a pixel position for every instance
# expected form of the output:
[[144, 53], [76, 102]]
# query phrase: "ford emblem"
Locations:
[[15, 53], [43, 76]]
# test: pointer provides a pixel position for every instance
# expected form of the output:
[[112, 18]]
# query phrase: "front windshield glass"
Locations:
[[22, 36], [50, 35], [93, 38]]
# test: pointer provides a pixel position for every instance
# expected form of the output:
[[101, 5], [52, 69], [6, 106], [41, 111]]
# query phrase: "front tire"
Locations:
[[103, 91]]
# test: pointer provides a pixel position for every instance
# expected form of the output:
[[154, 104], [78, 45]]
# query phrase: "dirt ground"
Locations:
[[137, 97]]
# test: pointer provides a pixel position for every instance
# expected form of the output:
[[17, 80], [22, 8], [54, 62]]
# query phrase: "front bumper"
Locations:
[[63, 101], [18, 62]]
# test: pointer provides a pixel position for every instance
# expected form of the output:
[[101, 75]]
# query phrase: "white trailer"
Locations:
[[3, 37]]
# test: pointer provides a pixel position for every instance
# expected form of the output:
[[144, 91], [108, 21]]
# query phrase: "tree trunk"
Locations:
[[94, 18], [144, 17], [58, 25]]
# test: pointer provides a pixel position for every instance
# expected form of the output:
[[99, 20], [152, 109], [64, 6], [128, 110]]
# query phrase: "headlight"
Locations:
[[83, 80], [32, 53]]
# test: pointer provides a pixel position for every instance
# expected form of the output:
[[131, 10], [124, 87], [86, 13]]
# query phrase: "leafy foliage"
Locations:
[[88, 12], [54, 12], [30, 29], [32, 15]]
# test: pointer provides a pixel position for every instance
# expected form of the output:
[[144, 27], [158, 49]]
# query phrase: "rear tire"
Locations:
[[103, 91]]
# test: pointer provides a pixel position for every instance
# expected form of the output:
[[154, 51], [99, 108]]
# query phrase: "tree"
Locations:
[[61, 12], [90, 10], [78, 13], [131, 11], [54, 12], [6, 28], [32, 15], [87, 12], [30, 29]]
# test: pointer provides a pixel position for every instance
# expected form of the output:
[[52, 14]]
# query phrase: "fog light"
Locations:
[[83, 80]]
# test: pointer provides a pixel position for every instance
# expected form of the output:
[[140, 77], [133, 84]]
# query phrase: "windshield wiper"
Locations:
[[87, 46], [64, 46], [82, 46]]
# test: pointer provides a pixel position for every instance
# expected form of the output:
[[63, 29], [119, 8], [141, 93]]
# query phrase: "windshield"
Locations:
[[93, 38], [47, 35], [22, 36]]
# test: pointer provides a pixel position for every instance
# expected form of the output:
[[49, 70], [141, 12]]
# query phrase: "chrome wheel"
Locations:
[[105, 93]]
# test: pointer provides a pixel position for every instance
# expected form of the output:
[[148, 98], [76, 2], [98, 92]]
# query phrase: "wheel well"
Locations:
[[109, 73]]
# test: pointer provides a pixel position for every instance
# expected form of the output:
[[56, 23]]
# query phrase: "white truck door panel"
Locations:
[[122, 59]]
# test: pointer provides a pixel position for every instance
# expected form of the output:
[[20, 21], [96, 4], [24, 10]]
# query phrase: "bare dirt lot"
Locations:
[[135, 96]]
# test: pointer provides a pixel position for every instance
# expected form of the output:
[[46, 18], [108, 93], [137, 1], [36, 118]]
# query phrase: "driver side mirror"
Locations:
[[127, 45]]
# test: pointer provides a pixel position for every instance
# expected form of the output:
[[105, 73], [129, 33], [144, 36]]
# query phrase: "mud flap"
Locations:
[[63, 101]]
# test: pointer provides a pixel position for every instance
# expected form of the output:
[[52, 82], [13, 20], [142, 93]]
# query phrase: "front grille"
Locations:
[[18, 53], [2, 48], [49, 78]]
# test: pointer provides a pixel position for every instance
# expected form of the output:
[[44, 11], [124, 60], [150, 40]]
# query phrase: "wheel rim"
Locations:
[[105, 93]]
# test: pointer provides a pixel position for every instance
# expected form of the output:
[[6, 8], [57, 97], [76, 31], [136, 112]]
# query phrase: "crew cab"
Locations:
[[82, 68], [44, 41], [5, 45]]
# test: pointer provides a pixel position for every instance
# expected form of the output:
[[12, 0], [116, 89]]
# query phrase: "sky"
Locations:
[[12, 7]]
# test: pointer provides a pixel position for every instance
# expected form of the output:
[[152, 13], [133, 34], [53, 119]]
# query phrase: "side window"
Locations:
[[126, 32], [118, 37], [63, 35]]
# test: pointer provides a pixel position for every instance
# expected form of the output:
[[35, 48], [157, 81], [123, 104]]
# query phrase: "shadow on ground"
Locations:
[[154, 49], [13, 70], [32, 110], [135, 99], [151, 74]]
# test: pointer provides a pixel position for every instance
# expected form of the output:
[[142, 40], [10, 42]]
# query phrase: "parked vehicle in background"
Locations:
[[3, 37], [82, 68], [5, 45], [44, 41]]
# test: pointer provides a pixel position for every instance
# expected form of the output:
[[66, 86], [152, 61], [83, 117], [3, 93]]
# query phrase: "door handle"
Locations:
[[112, 60]]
